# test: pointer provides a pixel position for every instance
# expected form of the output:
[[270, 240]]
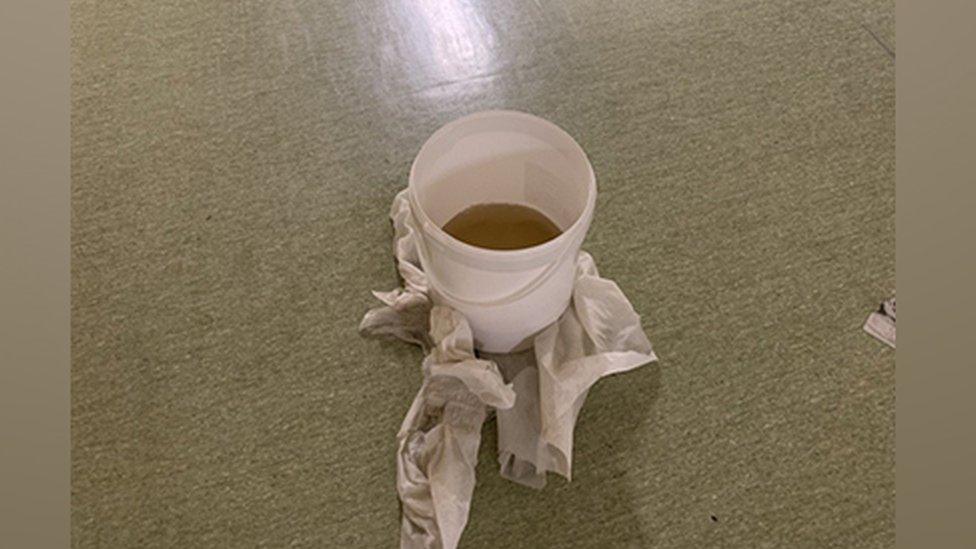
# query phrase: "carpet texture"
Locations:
[[232, 168]]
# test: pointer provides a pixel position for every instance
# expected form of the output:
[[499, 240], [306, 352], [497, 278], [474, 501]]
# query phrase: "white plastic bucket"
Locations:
[[507, 296]]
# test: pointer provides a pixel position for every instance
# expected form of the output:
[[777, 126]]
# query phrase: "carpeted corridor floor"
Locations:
[[232, 167]]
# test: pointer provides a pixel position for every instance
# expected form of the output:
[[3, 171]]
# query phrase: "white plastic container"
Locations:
[[507, 296]]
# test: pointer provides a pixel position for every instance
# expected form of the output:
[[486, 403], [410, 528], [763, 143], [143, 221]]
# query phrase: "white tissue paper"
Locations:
[[599, 334], [881, 323]]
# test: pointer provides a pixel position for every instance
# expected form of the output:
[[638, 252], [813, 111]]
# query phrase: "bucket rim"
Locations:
[[504, 256]]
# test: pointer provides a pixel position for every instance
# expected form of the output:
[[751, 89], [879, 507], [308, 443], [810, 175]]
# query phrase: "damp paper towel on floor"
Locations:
[[536, 395]]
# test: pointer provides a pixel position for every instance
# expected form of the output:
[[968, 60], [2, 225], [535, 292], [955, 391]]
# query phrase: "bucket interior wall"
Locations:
[[477, 165]]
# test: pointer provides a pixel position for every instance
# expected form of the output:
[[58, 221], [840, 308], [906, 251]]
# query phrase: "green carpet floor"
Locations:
[[232, 167]]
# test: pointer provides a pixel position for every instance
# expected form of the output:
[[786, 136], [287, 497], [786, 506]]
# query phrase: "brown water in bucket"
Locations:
[[502, 226]]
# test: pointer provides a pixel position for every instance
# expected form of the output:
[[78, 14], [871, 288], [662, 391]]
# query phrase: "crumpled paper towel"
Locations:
[[599, 334], [881, 323]]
